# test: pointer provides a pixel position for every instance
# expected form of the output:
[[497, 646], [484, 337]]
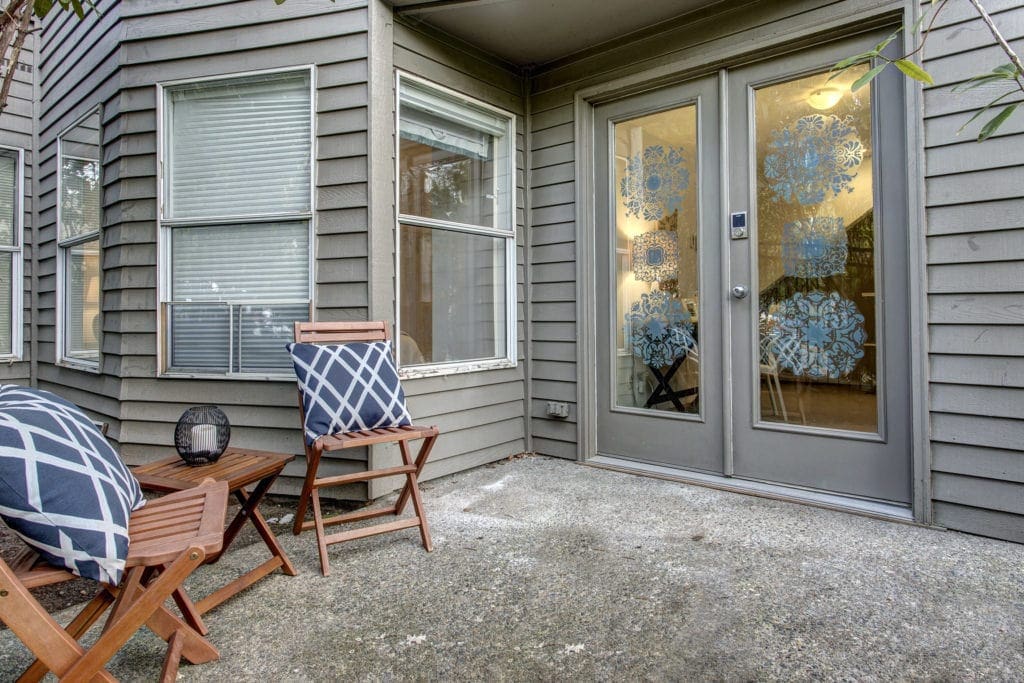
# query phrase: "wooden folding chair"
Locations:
[[339, 333], [168, 539]]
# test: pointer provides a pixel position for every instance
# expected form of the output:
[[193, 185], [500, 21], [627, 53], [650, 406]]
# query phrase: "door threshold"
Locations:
[[830, 501]]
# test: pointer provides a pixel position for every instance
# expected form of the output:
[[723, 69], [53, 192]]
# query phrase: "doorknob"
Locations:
[[739, 292]]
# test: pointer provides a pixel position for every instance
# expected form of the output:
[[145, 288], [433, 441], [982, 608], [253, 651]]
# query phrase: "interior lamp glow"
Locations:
[[824, 98], [655, 256]]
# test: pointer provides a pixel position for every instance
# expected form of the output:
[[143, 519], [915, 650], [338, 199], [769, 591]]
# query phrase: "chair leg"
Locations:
[[318, 520], [421, 460], [144, 603], [38, 630], [312, 465], [89, 615], [169, 672], [412, 486]]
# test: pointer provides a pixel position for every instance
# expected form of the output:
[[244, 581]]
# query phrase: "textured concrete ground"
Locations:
[[546, 570]]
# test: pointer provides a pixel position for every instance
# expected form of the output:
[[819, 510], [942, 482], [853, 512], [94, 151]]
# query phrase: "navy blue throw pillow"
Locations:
[[348, 387], [63, 488]]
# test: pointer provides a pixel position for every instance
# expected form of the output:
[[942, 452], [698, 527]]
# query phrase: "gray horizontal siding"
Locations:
[[77, 72], [167, 41], [480, 414], [975, 241], [16, 128]]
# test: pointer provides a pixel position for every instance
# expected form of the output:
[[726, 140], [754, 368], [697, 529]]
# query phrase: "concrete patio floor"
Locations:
[[547, 570]]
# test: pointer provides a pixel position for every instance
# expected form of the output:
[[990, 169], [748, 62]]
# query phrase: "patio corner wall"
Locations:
[[975, 218], [17, 129], [480, 413], [77, 72]]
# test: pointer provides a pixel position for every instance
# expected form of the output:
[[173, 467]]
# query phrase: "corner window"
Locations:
[[236, 214], [456, 230], [10, 253], [78, 243]]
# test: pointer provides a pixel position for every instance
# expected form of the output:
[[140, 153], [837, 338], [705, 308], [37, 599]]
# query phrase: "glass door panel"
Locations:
[[815, 254], [655, 259]]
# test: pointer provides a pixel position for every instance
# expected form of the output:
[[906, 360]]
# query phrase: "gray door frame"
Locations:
[[852, 17]]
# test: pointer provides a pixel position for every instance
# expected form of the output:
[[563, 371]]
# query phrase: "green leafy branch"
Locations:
[[1011, 74]]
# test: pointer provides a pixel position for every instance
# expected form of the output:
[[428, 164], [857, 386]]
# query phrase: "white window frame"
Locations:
[[62, 250], [509, 360], [165, 224], [17, 258]]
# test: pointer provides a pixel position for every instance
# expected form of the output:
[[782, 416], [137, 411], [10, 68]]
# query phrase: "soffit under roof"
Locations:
[[533, 32]]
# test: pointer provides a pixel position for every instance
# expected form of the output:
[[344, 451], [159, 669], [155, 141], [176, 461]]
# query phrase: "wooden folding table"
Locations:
[[240, 468]]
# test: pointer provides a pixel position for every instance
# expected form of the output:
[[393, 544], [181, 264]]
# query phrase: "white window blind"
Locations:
[[250, 280], [8, 199], [6, 302], [240, 147]]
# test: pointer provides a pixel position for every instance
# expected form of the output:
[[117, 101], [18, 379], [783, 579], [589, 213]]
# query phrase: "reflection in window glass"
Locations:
[[455, 229], [78, 239], [10, 250], [816, 254], [82, 309], [454, 303], [656, 229]]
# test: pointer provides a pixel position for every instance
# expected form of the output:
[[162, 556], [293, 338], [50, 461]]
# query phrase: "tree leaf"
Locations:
[[885, 43], [914, 71], [852, 61], [985, 109], [42, 7], [993, 125], [868, 77]]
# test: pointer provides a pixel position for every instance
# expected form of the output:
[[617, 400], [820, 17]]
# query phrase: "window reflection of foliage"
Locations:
[[442, 182], [79, 196]]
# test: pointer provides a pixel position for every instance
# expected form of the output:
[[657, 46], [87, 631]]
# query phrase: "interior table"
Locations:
[[240, 468]]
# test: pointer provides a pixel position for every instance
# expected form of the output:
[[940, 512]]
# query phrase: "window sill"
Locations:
[[84, 366], [235, 377], [440, 369]]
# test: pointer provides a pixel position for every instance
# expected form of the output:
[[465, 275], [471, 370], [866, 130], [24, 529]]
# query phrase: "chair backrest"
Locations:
[[341, 332]]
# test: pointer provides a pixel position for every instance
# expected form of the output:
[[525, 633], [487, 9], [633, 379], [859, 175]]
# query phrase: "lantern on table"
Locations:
[[202, 435]]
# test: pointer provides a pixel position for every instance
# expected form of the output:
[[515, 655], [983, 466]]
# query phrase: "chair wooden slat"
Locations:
[[155, 542], [357, 331]]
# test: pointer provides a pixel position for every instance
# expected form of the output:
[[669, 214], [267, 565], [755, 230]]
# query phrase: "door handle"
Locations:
[[739, 292]]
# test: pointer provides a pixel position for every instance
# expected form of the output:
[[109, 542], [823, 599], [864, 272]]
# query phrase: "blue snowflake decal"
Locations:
[[655, 256], [659, 329], [814, 157], [814, 247], [655, 182], [818, 335]]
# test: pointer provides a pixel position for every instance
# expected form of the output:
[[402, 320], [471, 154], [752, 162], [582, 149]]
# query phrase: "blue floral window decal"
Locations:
[[819, 335], [814, 157], [814, 247], [655, 182], [655, 256], [659, 329]]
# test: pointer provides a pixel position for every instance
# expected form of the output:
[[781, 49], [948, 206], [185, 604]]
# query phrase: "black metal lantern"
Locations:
[[202, 435]]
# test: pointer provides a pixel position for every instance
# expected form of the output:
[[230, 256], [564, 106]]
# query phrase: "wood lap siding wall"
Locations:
[[77, 71], [16, 130], [168, 41], [975, 216], [480, 414]]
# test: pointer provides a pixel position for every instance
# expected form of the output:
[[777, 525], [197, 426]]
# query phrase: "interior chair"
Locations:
[[342, 333], [769, 367], [168, 538]]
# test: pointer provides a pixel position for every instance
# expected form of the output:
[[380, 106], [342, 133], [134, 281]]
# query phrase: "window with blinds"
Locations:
[[456, 249], [78, 231], [236, 222], [10, 254]]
